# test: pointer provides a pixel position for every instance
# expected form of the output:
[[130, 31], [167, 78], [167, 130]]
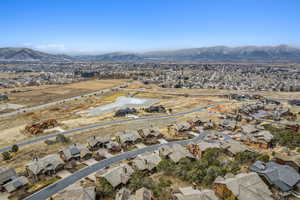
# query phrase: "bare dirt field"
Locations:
[[49, 93]]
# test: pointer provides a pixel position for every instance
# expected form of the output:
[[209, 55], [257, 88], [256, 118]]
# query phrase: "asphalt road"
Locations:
[[42, 138], [56, 187]]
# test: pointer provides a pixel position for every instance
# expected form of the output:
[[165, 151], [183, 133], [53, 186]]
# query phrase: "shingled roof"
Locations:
[[283, 176], [78, 193], [247, 186], [16, 183], [189, 193], [148, 160], [7, 174], [116, 175], [128, 136], [47, 163], [175, 152]]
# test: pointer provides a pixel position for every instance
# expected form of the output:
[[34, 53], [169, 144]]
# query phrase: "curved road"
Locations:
[[56, 187], [42, 138]]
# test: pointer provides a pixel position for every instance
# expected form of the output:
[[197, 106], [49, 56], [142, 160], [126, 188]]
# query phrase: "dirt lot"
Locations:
[[49, 93]]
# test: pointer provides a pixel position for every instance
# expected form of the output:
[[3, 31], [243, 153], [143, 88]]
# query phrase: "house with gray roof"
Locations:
[[199, 148], [48, 165], [123, 194], [228, 124], [10, 181], [115, 176], [97, 142], [175, 152], [152, 132], [146, 161], [288, 159], [127, 137], [7, 175], [245, 186], [102, 154], [233, 147], [283, 177], [253, 136], [75, 152], [190, 193], [112, 146], [77, 192], [140, 194], [16, 183]]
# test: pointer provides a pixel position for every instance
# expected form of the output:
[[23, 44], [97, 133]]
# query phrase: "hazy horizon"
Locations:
[[93, 27]]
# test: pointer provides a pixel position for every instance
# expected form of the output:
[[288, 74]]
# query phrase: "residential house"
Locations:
[[10, 181], [244, 186], [75, 152], [95, 143], [253, 136], [190, 193], [175, 152], [47, 165], [7, 175], [198, 148], [127, 137], [198, 121], [146, 161], [288, 159], [143, 194], [123, 194], [77, 192], [152, 132], [233, 147], [112, 146], [140, 194], [228, 124], [115, 175], [16, 183], [102, 154], [283, 177]]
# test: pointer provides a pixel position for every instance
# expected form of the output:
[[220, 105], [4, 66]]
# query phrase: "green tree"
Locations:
[[15, 148], [105, 189]]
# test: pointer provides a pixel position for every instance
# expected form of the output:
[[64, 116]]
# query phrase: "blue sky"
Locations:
[[140, 25]]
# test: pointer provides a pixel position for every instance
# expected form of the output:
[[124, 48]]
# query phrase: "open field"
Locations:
[[68, 114], [49, 93]]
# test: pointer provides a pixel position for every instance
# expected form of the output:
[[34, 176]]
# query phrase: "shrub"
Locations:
[[264, 158], [15, 148], [105, 189], [6, 155], [246, 157]]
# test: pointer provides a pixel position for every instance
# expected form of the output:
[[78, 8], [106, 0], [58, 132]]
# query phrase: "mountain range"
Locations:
[[217, 53]]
